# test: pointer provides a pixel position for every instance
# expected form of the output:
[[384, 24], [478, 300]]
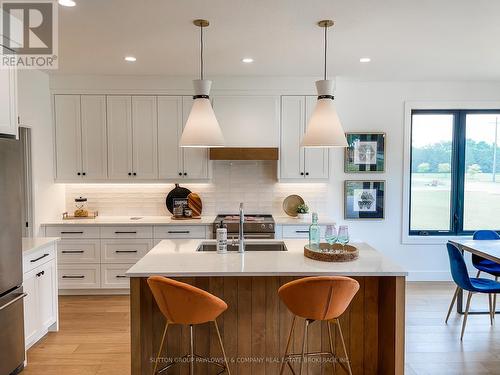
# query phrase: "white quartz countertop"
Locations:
[[159, 220], [133, 220], [179, 258], [290, 220], [34, 243]]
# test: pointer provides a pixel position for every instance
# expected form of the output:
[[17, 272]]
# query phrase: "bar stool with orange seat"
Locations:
[[182, 303], [316, 299]]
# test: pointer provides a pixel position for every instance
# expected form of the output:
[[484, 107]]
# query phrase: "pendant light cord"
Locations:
[[326, 46], [201, 52]]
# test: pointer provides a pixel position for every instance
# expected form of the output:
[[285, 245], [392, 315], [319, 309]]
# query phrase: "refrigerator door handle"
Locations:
[[20, 296]]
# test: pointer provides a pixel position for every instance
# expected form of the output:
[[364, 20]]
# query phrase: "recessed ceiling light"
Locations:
[[67, 3], [365, 60], [130, 58], [247, 60]]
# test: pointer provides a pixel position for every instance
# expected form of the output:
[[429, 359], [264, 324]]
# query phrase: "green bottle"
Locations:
[[314, 232]]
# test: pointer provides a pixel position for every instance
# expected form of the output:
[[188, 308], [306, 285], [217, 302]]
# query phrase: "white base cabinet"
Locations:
[[40, 285], [94, 258]]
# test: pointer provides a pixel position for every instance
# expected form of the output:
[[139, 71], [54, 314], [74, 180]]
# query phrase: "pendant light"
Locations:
[[202, 128], [324, 128]]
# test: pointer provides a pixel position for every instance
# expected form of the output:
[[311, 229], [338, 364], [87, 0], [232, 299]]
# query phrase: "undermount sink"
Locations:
[[270, 246]]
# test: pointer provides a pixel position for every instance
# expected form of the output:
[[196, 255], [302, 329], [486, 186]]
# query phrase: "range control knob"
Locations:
[[263, 226], [270, 226]]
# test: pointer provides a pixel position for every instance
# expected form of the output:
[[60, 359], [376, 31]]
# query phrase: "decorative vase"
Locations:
[[303, 217]]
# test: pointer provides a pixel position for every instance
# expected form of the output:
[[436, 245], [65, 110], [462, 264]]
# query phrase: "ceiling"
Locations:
[[406, 39]]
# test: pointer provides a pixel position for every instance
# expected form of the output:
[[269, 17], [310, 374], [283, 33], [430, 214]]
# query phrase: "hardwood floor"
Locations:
[[94, 337]]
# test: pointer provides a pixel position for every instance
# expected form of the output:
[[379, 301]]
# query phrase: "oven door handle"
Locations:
[[259, 235]]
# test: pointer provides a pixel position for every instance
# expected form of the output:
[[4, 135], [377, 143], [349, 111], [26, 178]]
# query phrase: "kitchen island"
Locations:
[[256, 325]]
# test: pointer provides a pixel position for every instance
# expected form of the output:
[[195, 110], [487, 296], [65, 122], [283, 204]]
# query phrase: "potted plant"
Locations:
[[302, 211]]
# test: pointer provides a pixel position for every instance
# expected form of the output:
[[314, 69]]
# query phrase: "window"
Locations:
[[455, 182]]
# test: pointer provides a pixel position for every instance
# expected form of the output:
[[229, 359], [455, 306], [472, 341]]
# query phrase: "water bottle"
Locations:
[[314, 232]]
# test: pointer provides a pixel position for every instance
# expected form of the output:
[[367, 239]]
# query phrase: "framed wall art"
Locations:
[[365, 152], [364, 199]]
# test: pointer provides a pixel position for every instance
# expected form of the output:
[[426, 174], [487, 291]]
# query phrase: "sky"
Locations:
[[429, 129]]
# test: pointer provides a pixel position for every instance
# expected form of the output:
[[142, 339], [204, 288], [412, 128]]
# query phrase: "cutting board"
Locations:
[[194, 203]]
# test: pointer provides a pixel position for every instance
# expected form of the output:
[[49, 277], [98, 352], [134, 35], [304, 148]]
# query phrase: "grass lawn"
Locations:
[[431, 202]]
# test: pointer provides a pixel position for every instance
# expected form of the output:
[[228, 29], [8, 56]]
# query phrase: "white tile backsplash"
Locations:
[[252, 182]]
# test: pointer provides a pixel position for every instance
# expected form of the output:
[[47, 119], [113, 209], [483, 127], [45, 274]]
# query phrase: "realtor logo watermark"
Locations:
[[29, 34]]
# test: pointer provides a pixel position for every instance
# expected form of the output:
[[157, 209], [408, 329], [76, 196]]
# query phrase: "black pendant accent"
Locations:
[[201, 97], [325, 97]]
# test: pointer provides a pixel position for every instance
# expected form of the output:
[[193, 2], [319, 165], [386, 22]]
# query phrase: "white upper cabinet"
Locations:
[[119, 125], [68, 137], [80, 137], [297, 162], [144, 138], [94, 139], [8, 102], [169, 132], [248, 121]]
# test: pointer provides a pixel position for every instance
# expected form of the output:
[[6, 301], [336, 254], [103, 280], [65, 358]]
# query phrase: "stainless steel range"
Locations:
[[255, 226]]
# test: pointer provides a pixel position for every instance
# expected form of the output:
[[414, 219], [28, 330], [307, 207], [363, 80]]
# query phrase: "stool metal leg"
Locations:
[[343, 346], [285, 359], [495, 301], [330, 340], [490, 305], [191, 350], [161, 348], [304, 340], [222, 347]]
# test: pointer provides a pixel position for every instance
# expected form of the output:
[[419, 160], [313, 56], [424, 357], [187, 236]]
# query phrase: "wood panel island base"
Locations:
[[256, 325]]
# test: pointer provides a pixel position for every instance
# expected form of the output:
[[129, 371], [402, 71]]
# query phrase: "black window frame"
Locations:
[[457, 171]]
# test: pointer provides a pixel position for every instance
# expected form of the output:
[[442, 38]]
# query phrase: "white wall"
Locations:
[[35, 112], [362, 106]]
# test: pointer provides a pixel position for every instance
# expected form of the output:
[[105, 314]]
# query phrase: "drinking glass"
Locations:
[[343, 237], [331, 234]]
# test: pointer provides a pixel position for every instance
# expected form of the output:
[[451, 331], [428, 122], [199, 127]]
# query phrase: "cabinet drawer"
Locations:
[[113, 276], [124, 251], [299, 231], [72, 231], [38, 257], [127, 232], [180, 231], [79, 251], [79, 276]]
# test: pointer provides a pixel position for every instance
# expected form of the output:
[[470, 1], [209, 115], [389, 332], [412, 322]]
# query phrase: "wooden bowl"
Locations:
[[332, 253]]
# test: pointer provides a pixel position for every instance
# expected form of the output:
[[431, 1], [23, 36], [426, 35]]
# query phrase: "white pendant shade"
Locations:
[[324, 128], [202, 128]]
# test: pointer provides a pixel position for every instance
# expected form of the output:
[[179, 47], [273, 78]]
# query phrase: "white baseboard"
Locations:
[[93, 292], [429, 276]]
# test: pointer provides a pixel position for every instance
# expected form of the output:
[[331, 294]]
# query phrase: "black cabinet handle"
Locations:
[[301, 231], [73, 277], [135, 174], [72, 232], [78, 173], [185, 174], [37, 259], [130, 173], [307, 173], [125, 251], [72, 251], [179, 231], [125, 232], [180, 173], [121, 276], [301, 173], [41, 273], [84, 173]]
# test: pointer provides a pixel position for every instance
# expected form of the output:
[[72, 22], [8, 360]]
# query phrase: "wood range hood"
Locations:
[[244, 153]]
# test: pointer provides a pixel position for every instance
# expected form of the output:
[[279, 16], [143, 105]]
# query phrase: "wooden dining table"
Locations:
[[488, 249]]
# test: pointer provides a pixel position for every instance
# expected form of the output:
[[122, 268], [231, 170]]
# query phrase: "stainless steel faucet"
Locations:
[[241, 243]]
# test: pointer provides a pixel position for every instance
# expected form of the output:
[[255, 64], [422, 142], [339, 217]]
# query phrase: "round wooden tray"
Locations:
[[332, 253]]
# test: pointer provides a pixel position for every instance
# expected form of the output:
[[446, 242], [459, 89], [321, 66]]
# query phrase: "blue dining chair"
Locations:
[[472, 285]]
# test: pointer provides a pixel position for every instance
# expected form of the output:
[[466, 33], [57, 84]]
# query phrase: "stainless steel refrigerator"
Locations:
[[11, 269]]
